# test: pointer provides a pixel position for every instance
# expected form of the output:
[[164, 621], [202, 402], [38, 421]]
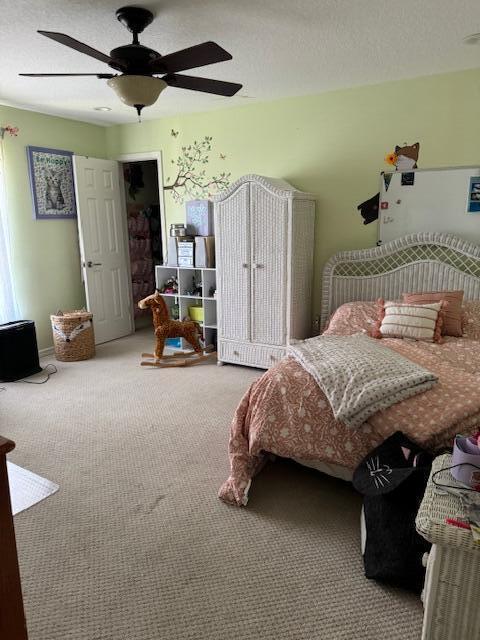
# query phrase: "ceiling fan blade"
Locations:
[[207, 85], [105, 76], [197, 56], [68, 41]]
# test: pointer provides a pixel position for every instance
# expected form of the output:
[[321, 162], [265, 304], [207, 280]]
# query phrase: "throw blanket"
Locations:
[[359, 376]]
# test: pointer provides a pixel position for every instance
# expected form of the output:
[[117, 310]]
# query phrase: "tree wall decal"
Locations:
[[191, 181]]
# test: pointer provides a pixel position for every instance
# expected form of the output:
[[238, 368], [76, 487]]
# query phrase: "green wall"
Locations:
[[332, 145], [45, 254]]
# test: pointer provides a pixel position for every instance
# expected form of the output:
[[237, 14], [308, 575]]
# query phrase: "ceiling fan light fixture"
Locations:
[[137, 91], [138, 85]]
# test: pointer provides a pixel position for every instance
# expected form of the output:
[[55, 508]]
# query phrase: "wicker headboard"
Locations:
[[418, 262]]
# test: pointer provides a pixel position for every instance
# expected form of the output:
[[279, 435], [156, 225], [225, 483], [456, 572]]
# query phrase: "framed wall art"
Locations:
[[51, 180]]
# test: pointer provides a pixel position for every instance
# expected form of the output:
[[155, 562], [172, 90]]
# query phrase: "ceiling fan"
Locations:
[[137, 84]]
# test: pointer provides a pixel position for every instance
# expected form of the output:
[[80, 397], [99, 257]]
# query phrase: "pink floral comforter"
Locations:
[[285, 413]]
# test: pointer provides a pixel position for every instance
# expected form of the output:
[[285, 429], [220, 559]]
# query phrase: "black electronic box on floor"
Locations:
[[18, 350]]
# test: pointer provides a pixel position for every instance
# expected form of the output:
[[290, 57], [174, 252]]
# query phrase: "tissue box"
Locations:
[[205, 251], [200, 218]]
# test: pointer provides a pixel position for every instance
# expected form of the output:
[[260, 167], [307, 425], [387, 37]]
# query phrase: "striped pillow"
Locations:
[[414, 321]]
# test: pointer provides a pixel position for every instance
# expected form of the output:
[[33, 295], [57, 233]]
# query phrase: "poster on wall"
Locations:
[[473, 202], [51, 181]]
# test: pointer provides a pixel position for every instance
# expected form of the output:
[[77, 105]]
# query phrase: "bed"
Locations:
[[285, 413]]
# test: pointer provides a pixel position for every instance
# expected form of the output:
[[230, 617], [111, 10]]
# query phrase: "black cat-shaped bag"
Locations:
[[392, 480]]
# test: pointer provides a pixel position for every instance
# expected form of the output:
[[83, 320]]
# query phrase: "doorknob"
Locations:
[[91, 264]]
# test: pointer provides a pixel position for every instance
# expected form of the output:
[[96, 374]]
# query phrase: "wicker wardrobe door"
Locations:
[[269, 223], [232, 231]]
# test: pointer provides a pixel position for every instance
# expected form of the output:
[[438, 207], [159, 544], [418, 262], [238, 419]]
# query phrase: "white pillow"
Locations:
[[415, 321]]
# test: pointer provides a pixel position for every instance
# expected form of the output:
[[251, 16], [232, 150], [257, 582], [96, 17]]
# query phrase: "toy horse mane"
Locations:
[[164, 311]]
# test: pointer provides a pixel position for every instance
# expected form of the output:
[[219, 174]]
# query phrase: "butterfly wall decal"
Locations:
[[174, 133], [222, 156]]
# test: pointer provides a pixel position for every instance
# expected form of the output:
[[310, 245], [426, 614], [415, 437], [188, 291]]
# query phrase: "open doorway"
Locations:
[[145, 230]]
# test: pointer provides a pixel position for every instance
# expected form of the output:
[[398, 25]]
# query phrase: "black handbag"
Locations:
[[392, 480]]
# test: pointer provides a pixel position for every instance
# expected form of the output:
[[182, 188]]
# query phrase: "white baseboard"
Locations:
[[46, 352]]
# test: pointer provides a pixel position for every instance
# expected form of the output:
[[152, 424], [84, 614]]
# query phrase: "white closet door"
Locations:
[[269, 222], [232, 230], [101, 220]]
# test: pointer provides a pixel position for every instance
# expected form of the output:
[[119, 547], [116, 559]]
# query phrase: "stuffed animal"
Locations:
[[170, 285], [165, 328]]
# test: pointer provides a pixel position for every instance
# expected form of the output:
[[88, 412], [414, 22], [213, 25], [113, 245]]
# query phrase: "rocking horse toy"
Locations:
[[165, 327]]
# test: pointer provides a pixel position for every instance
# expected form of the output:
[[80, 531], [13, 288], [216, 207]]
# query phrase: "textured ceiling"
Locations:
[[279, 47]]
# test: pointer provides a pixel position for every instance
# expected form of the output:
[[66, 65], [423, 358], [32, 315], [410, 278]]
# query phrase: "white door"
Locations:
[[103, 249], [232, 230], [269, 228]]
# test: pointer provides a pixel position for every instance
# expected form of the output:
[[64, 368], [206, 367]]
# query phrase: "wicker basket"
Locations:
[[73, 336]]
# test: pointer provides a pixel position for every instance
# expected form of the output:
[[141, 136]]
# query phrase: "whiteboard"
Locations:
[[437, 201]]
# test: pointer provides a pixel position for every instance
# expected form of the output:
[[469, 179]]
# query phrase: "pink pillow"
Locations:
[[471, 319], [414, 321], [352, 317], [452, 322]]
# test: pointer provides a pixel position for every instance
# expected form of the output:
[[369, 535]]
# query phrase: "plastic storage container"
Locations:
[[196, 313]]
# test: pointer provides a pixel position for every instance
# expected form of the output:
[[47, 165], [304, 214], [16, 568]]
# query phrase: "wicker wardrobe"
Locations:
[[264, 235]]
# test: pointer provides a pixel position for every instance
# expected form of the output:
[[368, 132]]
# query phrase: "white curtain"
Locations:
[[8, 305]]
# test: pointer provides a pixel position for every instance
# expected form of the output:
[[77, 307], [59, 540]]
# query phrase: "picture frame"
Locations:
[[473, 202], [52, 183]]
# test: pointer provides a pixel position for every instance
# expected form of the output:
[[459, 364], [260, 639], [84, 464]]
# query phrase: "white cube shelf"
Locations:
[[185, 277]]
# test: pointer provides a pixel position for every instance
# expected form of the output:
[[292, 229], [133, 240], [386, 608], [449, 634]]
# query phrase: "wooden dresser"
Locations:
[[12, 616]]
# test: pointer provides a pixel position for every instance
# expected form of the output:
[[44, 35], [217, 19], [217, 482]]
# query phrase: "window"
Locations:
[[8, 307]]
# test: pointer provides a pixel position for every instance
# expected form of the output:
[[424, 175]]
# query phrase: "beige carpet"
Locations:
[[136, 546]]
